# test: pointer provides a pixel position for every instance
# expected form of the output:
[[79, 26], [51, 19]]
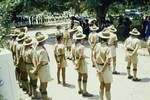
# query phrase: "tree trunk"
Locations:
[[101, 11]]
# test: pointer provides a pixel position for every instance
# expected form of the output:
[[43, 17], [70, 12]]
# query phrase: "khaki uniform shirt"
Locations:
[[12, 45], [132, 43], [66, 38], [80, 58], [112, 39], [28, 58], [59, 52], [101, 53], [42, 56], [19, 55], [93, 39]]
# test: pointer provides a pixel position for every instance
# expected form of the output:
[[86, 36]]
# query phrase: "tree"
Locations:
[[101, 6]]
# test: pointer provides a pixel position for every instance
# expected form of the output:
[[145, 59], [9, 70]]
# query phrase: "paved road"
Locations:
[[122, 88]]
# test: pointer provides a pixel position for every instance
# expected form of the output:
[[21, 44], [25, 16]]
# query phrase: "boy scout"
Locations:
[[102, 61], [132, 44], [59, 52], [113, 45], [21, 70], [12, 46], [80, 64], [93, 39], [13, 43], [28, 58], [42, 66], [67, 42]]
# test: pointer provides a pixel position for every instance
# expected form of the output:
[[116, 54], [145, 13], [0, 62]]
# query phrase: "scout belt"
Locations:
[[28, 63], [128, 49], [44, 64]]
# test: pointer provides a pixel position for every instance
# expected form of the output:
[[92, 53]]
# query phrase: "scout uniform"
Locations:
[[28, 57], [21, 70], [112, 45], [73, 52], [67, 42], [80, 64], [102, 61], [59, 52], [132, 44], [93, 39], [42, 67], [78, 27]]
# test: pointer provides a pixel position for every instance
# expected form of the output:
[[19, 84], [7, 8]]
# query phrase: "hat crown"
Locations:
[[106, 33], [134, 30], [112, 28], [28, 40], [40, 37], [21, 35], [79, 34]]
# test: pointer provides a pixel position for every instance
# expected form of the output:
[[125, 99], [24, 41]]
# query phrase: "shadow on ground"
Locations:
[[145, 80], [95, 97]]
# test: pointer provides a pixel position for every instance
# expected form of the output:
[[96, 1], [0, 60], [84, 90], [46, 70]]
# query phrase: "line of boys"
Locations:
[[31, 62]]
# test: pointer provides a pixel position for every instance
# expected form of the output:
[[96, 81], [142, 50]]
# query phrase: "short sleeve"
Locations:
[[43, 57], [138, 44], [108, 54], [34, 57], [82, 51]]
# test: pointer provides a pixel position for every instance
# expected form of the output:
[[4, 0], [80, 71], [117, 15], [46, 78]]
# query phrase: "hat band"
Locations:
[[79, 35]]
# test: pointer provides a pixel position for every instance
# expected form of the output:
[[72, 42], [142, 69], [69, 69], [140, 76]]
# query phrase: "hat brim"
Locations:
[[132, 33], [26, 44], [104, 37], [21, 38], [79, 38], [13, 35], [114, 30], [43, 39], [94, 29]]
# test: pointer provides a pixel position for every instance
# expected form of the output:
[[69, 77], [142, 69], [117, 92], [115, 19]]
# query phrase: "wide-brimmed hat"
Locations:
[[79, 35], [134, 32], [41, 38], [24, 29], [105, 34], [15, 32], [94, 28], [21, 36], [112, 28], [28, 41], [12, 34]]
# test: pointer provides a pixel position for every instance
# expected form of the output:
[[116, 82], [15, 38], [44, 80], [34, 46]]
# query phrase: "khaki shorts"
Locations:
[[132, 59], [44, 73], [107, 75]]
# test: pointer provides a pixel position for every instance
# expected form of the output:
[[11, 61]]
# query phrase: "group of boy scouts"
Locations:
[[32, 60]]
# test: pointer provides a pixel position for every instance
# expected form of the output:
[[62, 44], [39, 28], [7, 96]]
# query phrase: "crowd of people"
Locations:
[[32, 60], [39, 19]]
